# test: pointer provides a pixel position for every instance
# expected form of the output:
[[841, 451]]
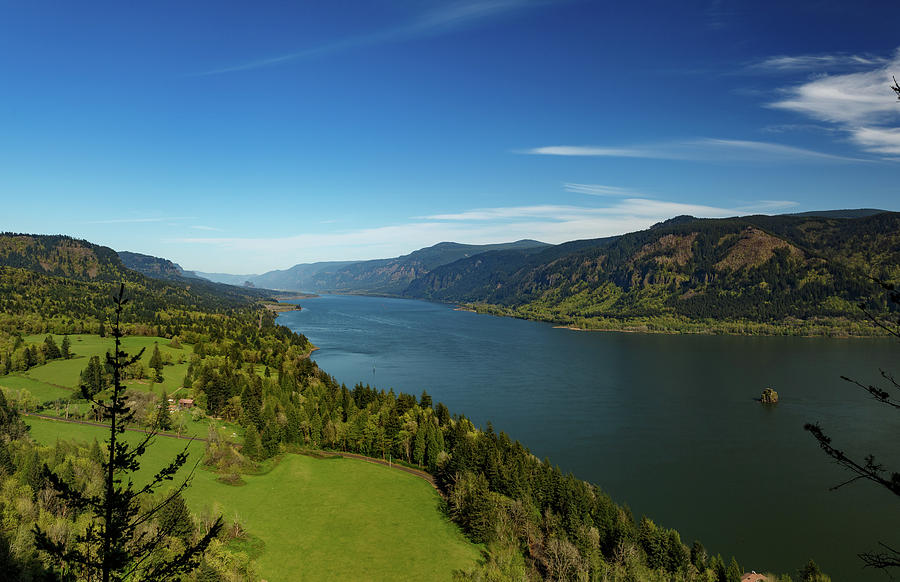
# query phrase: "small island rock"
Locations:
[[769, 396]]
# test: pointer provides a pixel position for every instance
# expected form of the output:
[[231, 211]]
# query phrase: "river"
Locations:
[[667, 424]]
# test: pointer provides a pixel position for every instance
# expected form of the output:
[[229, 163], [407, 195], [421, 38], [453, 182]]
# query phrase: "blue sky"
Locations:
[[242, 137]]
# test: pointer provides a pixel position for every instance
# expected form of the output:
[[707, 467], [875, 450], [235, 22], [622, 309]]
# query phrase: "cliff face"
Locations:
[[153, 266]]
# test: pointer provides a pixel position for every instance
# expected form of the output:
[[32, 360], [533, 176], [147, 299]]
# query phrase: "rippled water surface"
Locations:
[[667, 424]]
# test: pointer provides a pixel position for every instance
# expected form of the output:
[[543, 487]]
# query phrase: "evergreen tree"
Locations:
[[156, 362], [65, 349], [733, 574], [419, 444], [811, 573], [175, 517], [11, 426], [30, 357], [93, 378], [252, 448], [115, 545], [164, 417], [442, 413], [251, 402], [51, 350], [6, 463]]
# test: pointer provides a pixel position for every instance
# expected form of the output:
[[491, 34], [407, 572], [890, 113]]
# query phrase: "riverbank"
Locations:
[[835, 327], [671, 325], [683, 405], [282, 307]]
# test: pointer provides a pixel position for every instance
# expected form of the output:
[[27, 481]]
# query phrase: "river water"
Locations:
[[666, 424]]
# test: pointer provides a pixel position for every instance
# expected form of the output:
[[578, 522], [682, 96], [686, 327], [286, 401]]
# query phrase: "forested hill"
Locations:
[[61, 284], [61, 256], [154, 266], [768, 270]]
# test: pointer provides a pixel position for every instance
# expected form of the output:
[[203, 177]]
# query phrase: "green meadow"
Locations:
[[40, 391], [319, 519], [58, 379], [66, 373]]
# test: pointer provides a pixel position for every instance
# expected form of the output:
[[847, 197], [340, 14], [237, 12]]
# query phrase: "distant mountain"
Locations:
[[382, 276], [393, 276], [225, 278], [154, 266], [767, 270], [299, 276]]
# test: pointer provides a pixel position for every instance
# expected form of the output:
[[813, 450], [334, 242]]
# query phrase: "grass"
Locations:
[[68, 372], [59, 379], [320, 519], [41, 391]]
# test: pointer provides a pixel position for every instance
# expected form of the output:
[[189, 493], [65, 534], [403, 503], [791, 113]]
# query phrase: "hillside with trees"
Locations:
[[535, 521], [788, 274], [155, 267], [770, 274]]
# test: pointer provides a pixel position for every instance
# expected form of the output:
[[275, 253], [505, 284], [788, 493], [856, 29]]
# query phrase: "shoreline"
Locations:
[[799, 328], [710, 332]]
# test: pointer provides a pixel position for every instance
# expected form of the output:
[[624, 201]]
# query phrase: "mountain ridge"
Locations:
[[782, 271]]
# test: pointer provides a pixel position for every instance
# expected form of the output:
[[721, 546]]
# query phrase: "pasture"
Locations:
[[319, 519]]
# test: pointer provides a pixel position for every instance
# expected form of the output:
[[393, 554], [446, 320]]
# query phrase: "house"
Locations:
[[186, 403]]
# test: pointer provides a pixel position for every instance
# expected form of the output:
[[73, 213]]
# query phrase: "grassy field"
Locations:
[[321, 519], [67, 372], [41, 391], [59, 379]]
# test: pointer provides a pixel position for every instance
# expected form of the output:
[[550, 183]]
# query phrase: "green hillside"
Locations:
[[308, 515], [752, 274], [257, 397]]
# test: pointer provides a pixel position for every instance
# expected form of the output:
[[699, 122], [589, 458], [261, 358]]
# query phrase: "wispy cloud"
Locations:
[[551, 223], [140, 219], [799, 127], [703, 149], [812, 63], [628, 208], [879, 140], [446, 17], [202, 227], [859, 103], [599, 190]]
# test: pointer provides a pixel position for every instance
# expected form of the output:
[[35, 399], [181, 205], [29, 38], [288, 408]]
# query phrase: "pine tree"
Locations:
[[419, 444], [93, 378], [163, 417], [51, 350], [65, 349], [114, 545], [156, 362], [252, 448]]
